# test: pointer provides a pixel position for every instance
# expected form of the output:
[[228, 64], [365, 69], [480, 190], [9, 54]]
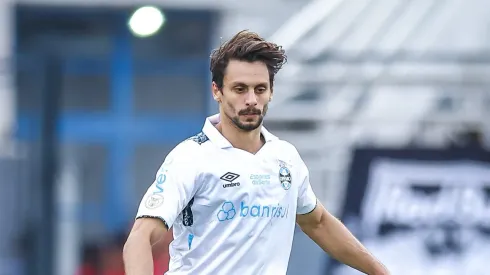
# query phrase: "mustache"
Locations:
[[250, 111]]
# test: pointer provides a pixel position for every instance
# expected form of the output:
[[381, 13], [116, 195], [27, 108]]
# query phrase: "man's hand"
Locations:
[[137, 253], [335, 239]]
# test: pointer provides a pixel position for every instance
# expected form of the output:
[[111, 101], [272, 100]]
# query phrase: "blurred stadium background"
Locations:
[[387, 100]]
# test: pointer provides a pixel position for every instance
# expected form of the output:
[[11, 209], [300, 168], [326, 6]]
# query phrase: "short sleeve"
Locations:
[[306, 197], [174, 186]]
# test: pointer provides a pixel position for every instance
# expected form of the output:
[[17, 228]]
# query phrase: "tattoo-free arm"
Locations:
[[137, 252], [336, 240]]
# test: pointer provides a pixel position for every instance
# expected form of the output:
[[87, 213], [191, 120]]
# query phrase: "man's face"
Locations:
[[245, 94]]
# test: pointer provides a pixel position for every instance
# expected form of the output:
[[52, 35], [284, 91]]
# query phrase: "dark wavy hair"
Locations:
[[246, 46]]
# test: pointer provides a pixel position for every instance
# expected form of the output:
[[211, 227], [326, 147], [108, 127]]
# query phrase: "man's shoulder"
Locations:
[[198, 139], [190, 147]]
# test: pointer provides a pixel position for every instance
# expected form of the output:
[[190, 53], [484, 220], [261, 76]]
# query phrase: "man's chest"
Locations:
[[266, 179], [246, 188]]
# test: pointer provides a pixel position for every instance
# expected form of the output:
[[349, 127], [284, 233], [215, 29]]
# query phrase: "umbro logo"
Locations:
[[230, 178]]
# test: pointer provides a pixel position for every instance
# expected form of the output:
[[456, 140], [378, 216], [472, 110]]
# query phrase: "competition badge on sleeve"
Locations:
[[154, 201]]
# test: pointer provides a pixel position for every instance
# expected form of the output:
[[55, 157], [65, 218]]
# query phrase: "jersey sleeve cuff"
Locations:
[[154, 217], [307, 209]]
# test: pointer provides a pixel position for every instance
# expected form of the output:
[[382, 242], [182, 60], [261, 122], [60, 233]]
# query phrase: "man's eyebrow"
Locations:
[[240, 83]]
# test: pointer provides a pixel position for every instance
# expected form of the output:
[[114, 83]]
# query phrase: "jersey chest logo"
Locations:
[[284, 175], [230, 179]]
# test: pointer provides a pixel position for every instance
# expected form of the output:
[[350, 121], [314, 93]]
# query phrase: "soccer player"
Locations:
[[234, 192]]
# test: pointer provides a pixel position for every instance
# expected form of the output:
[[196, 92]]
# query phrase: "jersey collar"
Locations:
[[215, 136]]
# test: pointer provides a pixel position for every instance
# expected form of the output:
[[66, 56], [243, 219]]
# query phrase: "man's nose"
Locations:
[[251, 98]]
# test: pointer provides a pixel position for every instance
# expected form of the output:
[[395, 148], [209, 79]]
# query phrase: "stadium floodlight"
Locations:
[[146, 21]]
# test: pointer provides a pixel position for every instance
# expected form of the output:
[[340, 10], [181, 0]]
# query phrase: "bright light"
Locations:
[[146, 21]]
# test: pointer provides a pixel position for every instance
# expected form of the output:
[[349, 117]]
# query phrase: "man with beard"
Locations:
[[233, 193]]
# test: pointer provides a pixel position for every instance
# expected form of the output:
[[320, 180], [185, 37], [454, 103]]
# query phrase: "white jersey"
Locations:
[[232, 212]]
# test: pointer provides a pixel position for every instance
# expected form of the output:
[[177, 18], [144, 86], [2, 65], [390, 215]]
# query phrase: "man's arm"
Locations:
[[137, 253], [335, 239], [174, 186]]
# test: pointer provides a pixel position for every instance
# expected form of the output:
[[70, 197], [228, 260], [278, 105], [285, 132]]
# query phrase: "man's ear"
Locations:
[[216, 92]]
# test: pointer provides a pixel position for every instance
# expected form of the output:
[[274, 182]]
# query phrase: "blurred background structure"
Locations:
[[388, 102]]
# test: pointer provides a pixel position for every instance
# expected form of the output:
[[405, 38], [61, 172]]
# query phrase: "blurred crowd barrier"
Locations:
[[421, 211]]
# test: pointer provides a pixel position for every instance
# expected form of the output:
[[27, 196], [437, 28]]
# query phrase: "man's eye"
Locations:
[[261, 90], [239, 89]]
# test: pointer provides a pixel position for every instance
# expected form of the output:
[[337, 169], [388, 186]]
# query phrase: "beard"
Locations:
[[251, 123]]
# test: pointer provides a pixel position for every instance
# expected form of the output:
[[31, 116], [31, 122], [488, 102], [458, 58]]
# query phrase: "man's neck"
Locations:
[[249, 141]]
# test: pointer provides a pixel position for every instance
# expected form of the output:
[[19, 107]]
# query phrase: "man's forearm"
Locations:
[[335, 239], [138, 258]]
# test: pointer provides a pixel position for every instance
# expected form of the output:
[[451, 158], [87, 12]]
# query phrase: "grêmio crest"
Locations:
[[284, 175]]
